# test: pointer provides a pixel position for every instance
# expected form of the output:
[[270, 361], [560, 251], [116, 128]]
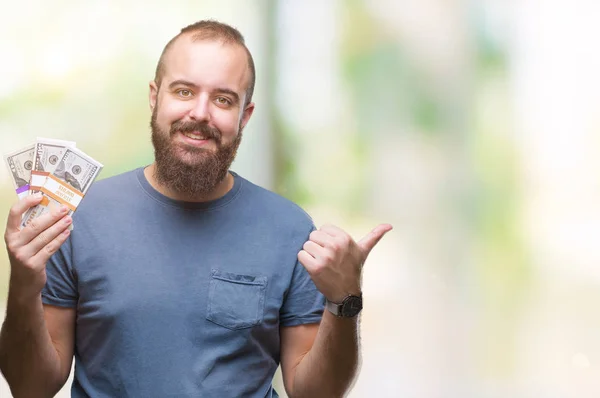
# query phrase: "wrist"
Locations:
[[342, 320], [349, 307], [23, 297]]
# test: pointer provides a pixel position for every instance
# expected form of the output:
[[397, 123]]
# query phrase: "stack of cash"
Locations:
[[57, 169]]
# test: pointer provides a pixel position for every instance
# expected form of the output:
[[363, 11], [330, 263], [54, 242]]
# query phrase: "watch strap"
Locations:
[[334, 308]]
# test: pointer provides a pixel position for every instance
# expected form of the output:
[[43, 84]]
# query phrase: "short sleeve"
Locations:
[[61, 286], [303, 303]]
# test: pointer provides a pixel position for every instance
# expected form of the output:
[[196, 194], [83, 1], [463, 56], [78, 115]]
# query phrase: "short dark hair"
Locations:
[[209, 29]]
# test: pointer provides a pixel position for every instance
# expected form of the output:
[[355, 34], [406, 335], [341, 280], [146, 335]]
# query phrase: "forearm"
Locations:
[[331, 365], [28, 359]]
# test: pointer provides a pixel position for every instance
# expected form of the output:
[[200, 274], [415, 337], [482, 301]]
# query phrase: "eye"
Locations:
[[223, 101], [184, 93]]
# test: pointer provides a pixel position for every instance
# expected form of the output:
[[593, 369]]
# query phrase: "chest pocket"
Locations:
[[236, 301]]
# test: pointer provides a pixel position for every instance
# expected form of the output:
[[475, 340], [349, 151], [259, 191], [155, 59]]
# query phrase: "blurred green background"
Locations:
[[471, 126]]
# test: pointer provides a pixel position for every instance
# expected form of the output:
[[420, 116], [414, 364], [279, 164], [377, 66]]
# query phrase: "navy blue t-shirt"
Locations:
[[179, 299]]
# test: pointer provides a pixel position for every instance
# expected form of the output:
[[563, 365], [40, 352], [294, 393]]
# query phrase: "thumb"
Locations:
[[367, 243]]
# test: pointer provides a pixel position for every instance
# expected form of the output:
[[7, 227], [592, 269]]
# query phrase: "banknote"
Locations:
[[20, 164], [77, 169], [67, 184], [48, 152]]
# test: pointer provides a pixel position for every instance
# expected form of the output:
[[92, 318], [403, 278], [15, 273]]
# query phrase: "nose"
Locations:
[[200, 109]]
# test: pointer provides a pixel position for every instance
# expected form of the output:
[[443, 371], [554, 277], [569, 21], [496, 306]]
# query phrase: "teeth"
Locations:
[[194, 136]]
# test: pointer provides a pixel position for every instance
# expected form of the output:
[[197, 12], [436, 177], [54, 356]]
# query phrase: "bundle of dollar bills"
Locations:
[[57, 169]]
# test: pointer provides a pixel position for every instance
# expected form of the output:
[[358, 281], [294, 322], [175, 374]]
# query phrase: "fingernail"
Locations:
[[64, 209], [66, 232], [68, 220]]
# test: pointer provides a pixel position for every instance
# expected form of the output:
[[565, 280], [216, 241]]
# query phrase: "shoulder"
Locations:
[[273, 205]]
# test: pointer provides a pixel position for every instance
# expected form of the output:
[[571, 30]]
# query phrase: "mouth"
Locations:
[[194, 139], [195, 136]]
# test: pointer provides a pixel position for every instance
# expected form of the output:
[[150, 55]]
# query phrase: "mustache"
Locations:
[[190, 127]]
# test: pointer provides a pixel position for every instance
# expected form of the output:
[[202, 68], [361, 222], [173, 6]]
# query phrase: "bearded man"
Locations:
[[182, 278]]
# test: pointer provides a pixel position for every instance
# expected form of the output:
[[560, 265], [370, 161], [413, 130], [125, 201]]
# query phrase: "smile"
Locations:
[[195, 136]]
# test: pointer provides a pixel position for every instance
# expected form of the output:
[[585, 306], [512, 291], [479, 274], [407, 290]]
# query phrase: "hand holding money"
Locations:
[[67, 185], [30, 248], [57, 169]]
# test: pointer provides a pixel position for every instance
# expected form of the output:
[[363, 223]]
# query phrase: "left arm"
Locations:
[[322, 360]]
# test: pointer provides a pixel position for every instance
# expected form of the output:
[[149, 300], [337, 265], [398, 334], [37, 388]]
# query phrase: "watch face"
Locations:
[[351, 306]]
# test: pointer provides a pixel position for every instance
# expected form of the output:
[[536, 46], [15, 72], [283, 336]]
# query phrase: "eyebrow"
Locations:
[[181, 83], [186, 83]]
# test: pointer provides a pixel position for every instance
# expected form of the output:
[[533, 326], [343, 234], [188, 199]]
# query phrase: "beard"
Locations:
[[191, 171]]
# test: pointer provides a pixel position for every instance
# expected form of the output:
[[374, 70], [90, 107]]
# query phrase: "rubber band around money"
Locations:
[[62, 192], [38, 178], [22, 191]]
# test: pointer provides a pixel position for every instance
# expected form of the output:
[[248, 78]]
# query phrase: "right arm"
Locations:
[[36, 340]]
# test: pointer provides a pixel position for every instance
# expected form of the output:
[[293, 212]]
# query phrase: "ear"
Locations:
[[248, 110], [153, 95]]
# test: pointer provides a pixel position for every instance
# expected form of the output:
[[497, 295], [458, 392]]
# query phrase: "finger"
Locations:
[[40, 224], [47, 251], [320, 237], [307, 260], [18, 209], [315, 250], [47, 236], [367, 243], [333, 230]]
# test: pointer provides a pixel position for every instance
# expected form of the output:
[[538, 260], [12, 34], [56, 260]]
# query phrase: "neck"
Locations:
[[220, 190]]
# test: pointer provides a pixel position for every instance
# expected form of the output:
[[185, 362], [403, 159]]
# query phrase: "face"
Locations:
[[198, 114]]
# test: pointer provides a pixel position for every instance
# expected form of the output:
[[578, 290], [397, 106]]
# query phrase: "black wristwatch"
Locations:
[[348, 308]]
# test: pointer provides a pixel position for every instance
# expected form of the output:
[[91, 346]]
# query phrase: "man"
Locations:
[[183, 279]]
